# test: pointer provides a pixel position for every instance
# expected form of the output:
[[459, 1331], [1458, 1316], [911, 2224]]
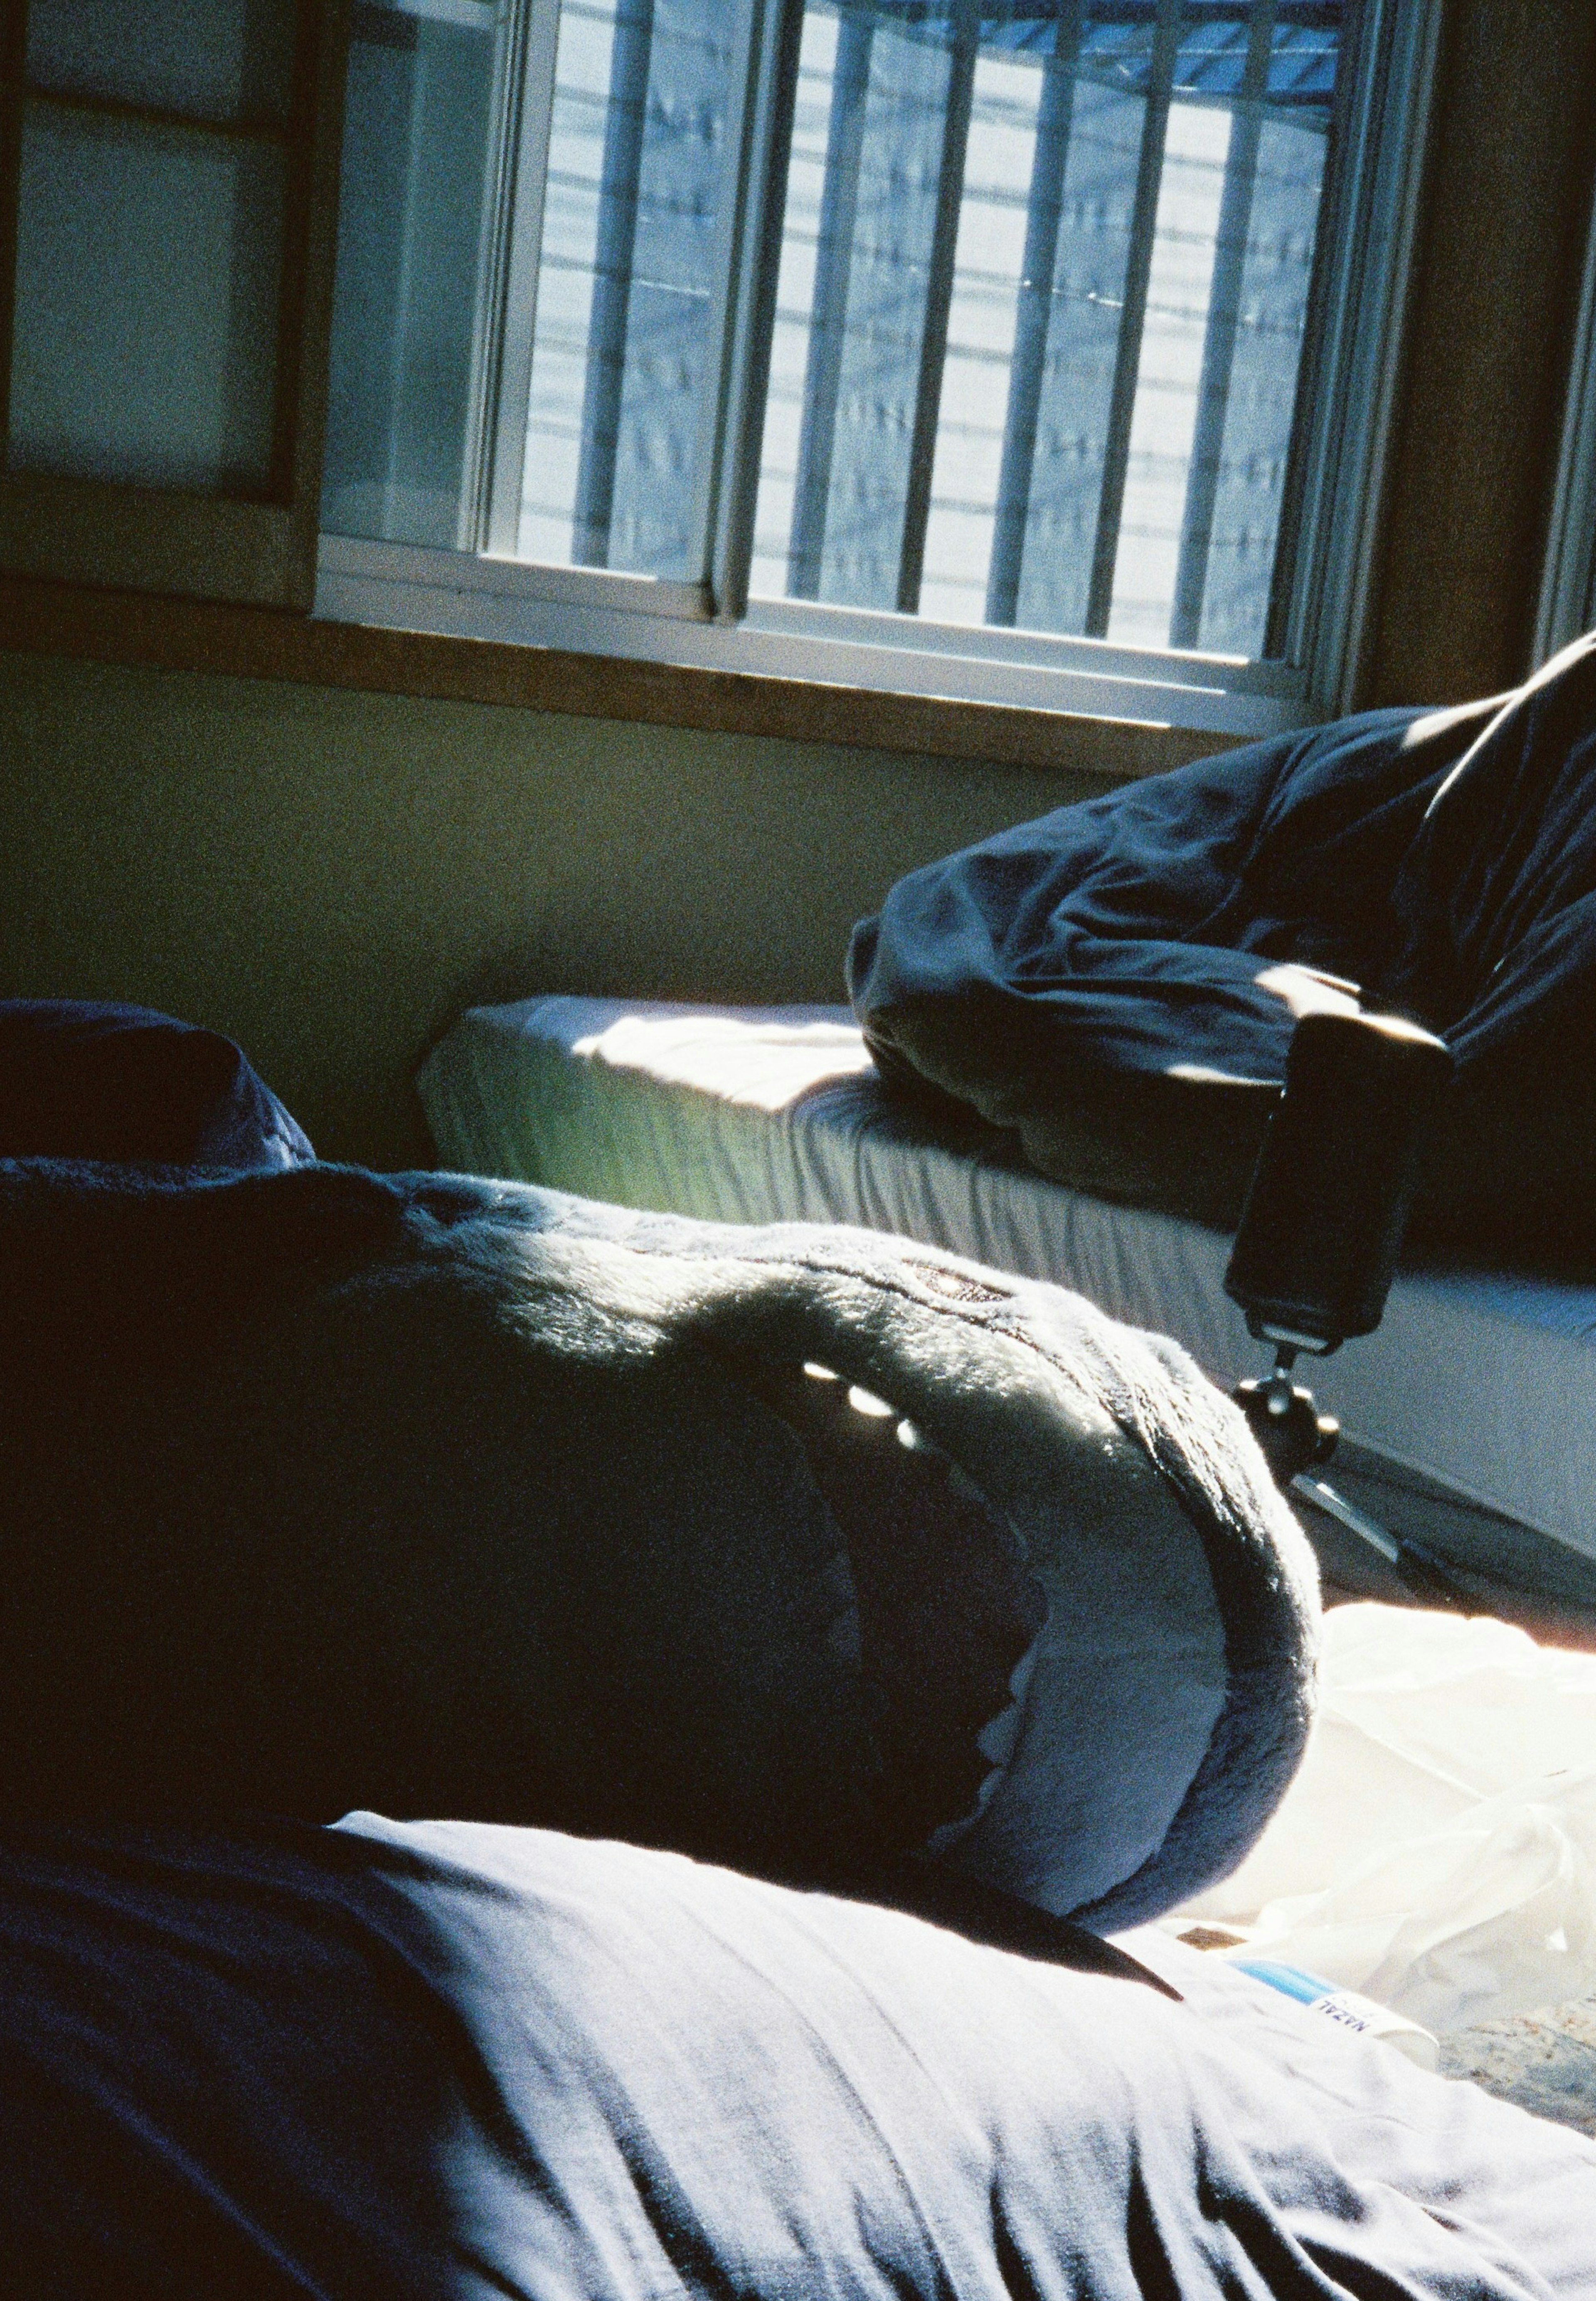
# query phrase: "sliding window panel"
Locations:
[[419, 148], [945, 313], [1044, 306], [170, 181], [626, 333]]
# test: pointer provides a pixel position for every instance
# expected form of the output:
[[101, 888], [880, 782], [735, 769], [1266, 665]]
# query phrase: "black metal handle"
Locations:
[[1323, 1221]]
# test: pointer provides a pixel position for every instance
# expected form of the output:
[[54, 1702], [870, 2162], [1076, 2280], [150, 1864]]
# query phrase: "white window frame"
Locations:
[[1567, 606], [481, 591]]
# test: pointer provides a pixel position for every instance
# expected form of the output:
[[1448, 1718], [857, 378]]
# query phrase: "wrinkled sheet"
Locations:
[[447, 2059], [1437, 1851], [1119, 980]]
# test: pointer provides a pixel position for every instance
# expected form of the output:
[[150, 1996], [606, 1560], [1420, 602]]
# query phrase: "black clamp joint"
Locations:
[[1286, 1422]]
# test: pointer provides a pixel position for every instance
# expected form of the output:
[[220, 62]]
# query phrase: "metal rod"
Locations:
[[1426, 1577], [1043, 211], [1138, 265], [938, 297], [734, 459], [833, 264], [1219, 340], [1325, 1497], [622, 167]]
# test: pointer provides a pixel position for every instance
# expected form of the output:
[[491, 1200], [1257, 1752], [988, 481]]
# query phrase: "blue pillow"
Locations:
[[86, 1079]]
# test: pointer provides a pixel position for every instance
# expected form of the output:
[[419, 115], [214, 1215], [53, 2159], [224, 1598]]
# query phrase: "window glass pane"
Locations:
[[619, 376], [148, 267], [983, 318], [874, 250], [1057, 463], [1248, 439], [1169, 373], [216, 59], [1041, 310], [416, 139]]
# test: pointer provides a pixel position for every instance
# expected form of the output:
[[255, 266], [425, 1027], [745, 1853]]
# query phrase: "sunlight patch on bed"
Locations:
[[765, 1065]]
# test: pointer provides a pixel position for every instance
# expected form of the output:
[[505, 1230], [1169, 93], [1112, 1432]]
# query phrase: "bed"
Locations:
[[507, 1507], [1470, 1416]]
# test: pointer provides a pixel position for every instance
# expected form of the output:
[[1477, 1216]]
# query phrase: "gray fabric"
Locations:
[[1062, 1418], [459, 1497]]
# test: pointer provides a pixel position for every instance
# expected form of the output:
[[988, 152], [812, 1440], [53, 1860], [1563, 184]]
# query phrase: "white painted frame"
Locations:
[[486, 593]]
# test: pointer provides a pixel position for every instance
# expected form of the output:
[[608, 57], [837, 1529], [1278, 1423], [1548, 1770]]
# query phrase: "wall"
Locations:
[[330, 876], [1474, 457]]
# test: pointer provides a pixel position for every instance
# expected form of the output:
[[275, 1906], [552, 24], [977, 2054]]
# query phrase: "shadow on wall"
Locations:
[[331, 877]]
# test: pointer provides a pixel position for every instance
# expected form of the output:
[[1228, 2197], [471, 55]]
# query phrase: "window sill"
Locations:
[[389, 658], [895, 658]]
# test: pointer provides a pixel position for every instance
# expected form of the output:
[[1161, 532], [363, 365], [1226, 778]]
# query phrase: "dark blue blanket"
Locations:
[[442, 2060], [1119, 980], [93, 1079]]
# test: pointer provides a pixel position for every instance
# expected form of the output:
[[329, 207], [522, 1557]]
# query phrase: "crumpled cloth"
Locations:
[[1119, 979]]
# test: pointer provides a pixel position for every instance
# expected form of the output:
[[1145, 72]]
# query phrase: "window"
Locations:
[[166, 169], [1060, 397], [1028, 350]]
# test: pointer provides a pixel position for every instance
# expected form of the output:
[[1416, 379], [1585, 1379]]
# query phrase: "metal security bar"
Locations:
[[949, 314], [612, 262], [1044, 213]]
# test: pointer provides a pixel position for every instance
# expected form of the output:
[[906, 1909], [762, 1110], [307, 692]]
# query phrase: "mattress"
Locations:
[[1473, 1406]]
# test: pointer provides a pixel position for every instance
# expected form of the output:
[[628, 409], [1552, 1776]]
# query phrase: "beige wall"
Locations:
[[1495, 295], [329, 877]]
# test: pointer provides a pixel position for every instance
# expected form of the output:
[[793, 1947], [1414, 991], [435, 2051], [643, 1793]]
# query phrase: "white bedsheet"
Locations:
[[1486, 1383]]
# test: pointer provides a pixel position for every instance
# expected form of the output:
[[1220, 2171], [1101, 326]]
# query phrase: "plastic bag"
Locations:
[[1438, 1849]]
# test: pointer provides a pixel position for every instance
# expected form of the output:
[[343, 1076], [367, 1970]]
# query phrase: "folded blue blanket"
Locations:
[[1119, 980]]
